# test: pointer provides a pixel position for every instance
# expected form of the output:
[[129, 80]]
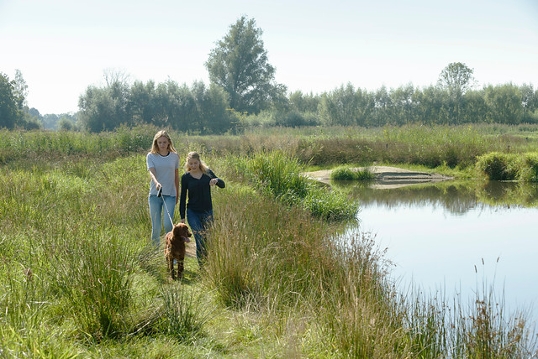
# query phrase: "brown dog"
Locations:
[[175, 248]]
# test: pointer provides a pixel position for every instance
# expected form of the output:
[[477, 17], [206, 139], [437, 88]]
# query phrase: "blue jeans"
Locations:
[[156, 205], [199, 223]]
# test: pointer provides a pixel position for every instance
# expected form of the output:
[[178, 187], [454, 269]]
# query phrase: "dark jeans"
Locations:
[[199, 223]]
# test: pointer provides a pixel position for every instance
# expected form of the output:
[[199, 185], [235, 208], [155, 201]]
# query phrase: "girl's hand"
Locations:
[[213, 181]]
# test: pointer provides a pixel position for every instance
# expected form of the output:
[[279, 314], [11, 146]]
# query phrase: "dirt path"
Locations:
[[387, 177]]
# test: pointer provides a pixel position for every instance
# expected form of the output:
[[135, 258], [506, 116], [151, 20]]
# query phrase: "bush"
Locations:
[[498, 166]]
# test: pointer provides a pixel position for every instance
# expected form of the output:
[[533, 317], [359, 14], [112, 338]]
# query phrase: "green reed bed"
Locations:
[[431, 146]]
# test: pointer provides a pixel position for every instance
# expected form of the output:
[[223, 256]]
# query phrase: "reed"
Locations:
[[280, 176], [347, 173], [496, 166]]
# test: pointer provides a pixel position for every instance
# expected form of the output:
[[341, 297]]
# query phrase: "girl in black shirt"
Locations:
[[195, 200]]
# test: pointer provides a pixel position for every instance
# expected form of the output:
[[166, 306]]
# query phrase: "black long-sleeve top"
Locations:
[[198, 192]]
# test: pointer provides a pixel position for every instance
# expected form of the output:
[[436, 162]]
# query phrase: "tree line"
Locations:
[[242, 92]]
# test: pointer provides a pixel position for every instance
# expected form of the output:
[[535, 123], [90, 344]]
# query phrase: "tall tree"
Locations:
[[529, 102], [457, 78], [504, 103], [403, 104], [239, 65], [20, 89], [9, 111], [106, 108]]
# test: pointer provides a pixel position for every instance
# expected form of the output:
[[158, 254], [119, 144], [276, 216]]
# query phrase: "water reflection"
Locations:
[[455, 197], [456, 236]]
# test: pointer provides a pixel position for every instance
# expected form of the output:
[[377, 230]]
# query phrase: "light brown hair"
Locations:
[[195, 156], [155, 147]]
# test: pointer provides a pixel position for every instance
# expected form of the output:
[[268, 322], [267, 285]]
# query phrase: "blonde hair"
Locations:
[[155, 147], [195, 156]]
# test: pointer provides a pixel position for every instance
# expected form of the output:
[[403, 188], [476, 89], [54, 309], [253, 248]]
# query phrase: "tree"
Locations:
[[382, 107], [457, 79], [340, 107], [9, 111], [305, 103], [20, 90], [504, 103], [403, 104], [529, 102], [106, 108], [240, 66], [215, 118], [143, 104]]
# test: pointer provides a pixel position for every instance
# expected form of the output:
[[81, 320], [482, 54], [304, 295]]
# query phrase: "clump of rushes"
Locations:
[[498, 166], [181, 313], [280, 176], [345, 173], [529, 170]]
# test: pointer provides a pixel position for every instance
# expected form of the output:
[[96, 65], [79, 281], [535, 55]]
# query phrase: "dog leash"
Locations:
[[159, 194]]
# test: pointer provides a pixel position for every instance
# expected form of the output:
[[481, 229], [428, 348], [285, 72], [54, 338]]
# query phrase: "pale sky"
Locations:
[[63, 46]]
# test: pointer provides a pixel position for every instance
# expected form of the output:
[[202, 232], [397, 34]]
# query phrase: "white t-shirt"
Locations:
[[165, 171]]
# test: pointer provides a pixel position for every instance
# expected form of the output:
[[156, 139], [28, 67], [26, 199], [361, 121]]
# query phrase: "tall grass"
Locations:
[[499, 166], [346, 173], [182, 314], [78, 277], [279, 176], [431, 146], [70, 235]]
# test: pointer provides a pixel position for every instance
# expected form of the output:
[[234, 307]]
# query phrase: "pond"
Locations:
[[458, 238]]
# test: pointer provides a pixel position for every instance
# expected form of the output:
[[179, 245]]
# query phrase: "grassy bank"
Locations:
[[78, 278]]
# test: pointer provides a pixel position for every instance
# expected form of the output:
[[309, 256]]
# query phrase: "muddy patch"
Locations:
[[386, 177]]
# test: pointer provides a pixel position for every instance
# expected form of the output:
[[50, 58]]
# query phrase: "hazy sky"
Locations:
[[63, 46]]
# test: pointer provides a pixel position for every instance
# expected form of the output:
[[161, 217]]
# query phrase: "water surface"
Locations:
[[459, 237]]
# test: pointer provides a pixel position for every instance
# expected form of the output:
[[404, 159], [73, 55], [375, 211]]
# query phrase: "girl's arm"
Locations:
[[183, 198], [215, 180], [153, 176], [176, 182]]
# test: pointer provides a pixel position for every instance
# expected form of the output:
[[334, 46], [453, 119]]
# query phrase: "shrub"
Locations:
[[498, 166]]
